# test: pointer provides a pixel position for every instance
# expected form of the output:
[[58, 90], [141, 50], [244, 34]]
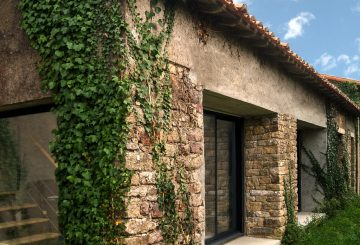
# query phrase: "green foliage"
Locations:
[[290, 197], [98, 64], [293, 233], [82, 49], [292, 230], [340, 229], [153, 94], [351, 90], [332, 179]]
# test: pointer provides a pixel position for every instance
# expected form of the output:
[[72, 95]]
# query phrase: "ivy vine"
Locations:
[[351, 90], [332, 179], [98, 64], [153, 94]]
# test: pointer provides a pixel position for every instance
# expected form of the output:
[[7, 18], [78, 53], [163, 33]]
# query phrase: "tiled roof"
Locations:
[[340, 79], [235, 17]]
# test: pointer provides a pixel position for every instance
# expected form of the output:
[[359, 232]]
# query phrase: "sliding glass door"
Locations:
[[223, 182]]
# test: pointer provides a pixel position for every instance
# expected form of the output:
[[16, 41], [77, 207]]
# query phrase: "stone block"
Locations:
[[194, 162], [133, 208], [155, 237], [147, 178], [195, 135], [137, 240], [142, 191], [139, 226], [196, 200], [138, 161], [274, 222], [196, 148]]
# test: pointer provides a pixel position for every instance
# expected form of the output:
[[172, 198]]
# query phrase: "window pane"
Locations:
[[210, 175], [28, 191], [225, 136]]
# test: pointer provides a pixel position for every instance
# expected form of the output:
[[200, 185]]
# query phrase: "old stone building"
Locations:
[[243, 103]]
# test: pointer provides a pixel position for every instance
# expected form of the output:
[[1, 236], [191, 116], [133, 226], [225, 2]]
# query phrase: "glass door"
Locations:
[[223, 182], [28, 190]]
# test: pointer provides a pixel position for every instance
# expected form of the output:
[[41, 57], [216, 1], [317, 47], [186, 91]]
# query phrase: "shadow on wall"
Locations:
[[314, 139]]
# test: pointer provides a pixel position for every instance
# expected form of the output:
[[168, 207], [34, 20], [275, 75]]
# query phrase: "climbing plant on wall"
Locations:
[[332, 178], [98, 63], [351, 90]]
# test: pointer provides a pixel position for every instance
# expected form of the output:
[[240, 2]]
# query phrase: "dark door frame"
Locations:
[[237, 180]]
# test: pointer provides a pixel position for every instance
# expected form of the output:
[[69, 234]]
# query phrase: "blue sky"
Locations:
[[326, 33]]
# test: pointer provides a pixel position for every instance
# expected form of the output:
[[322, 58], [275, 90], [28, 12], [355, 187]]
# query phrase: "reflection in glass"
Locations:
[[28, 191], [219, 141], [225, 134]]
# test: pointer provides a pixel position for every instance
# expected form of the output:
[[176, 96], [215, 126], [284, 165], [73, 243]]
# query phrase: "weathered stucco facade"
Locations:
[[19, 80], [221, 73]]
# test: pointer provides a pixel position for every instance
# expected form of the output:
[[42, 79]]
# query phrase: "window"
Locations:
[[223, 182], [28, 191]]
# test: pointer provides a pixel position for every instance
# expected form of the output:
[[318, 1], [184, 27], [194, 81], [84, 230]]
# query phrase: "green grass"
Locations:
[[342, 228]]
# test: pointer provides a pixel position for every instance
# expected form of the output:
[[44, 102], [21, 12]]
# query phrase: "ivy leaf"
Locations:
[[157, 10], [51, 85], [149, 15], [78, 47], [59, 53], [153, 3]]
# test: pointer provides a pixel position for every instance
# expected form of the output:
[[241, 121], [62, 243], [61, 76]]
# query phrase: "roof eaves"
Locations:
[[340, 79], [241, 19]]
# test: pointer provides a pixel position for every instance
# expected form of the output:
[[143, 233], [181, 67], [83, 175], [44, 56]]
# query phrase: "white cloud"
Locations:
[[295, 27], [326, 62], [344, 58], [356, 8], [351, 69], [350, 65]]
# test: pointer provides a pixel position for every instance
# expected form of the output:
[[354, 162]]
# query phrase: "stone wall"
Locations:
[[184, 148], [270, 147]]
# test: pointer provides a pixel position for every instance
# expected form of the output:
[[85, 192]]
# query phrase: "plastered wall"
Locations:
[[229, 67], [313, 140], [19, 80]]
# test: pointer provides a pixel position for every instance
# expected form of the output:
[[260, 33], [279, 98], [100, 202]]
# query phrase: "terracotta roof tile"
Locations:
[[340, 79]]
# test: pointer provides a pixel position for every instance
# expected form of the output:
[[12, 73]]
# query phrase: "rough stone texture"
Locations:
[[19, 80], [184, 147], [270, 147]]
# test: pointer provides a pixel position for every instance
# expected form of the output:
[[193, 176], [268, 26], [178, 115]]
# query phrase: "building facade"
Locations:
[[243, 104]]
